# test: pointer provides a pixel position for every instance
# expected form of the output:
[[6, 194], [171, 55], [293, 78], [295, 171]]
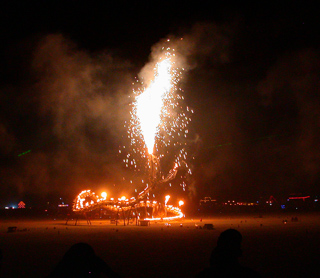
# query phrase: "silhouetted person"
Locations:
[[81, 261], [224, 258]]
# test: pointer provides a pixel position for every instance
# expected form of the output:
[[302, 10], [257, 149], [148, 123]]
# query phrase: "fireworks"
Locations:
[[157, 132], [159, 124], [150, 103]]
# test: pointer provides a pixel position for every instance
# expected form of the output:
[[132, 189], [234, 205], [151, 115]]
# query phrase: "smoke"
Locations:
[[263, 137], [258, 131], [292, 84], [206, 42], [69, 107], [79, 91], [75, 107]]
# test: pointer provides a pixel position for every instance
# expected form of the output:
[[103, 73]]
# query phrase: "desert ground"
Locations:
[[271, 247]]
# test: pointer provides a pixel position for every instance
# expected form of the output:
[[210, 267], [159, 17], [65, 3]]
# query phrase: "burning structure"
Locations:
[[157, 132]]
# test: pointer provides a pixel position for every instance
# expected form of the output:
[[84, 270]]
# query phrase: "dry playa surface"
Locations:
[[271, 246]]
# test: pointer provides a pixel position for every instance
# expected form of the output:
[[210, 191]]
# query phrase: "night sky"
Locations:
[[67, 67]]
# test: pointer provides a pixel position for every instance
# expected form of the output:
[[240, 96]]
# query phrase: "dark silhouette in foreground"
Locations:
[[224, 258], [81, 261]]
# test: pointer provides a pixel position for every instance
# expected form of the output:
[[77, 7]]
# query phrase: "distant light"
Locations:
[[283, 206], [21, 205], [297, 198]]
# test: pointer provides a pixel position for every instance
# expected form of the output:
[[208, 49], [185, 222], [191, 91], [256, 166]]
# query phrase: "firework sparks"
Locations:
[[158, 125]]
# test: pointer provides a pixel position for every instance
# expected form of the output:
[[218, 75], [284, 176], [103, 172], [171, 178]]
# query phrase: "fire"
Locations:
[[89, 201], [166, 199], [157, 130], [149, 104], [104, 195]]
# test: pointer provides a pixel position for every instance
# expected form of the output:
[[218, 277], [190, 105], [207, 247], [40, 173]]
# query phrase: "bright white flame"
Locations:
[[166, 199], [151, 101], [181, 203], [104, 195]]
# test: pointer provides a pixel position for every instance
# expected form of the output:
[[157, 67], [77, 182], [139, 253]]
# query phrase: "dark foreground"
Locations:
[[272, 248]]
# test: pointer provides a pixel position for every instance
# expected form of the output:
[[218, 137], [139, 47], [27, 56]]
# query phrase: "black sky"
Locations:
[[65, 77]]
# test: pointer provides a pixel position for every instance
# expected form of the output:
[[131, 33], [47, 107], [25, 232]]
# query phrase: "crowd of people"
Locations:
[[81, 261]]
